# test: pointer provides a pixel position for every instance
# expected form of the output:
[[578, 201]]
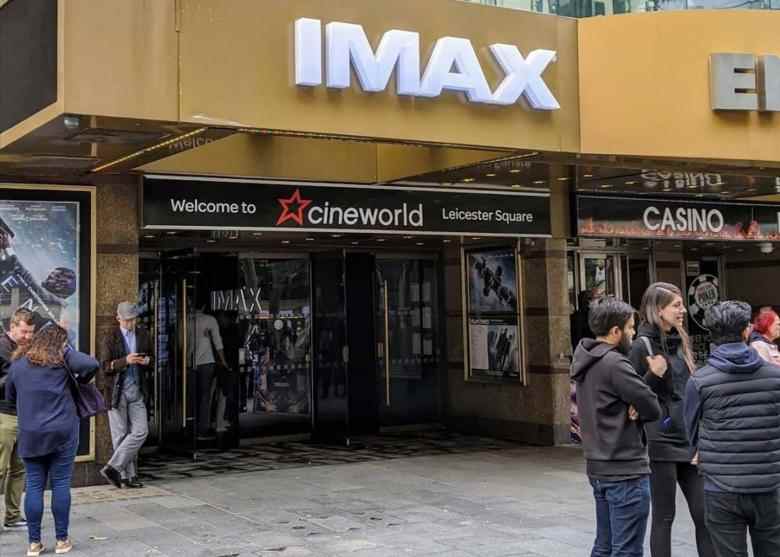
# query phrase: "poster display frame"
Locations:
[[518, 315], [86, 197]]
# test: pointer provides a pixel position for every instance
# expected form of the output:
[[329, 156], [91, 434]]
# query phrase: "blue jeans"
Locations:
[[622, 509], [58, 469]]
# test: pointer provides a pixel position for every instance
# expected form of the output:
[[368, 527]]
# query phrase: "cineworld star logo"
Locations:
[[297, 214], [304, 212]]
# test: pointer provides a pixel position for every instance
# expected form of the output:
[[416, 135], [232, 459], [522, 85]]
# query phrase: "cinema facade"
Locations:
[[391, 208]]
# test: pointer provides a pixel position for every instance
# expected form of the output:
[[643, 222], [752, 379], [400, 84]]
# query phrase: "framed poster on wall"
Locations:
[[47, 258], [493, 324]]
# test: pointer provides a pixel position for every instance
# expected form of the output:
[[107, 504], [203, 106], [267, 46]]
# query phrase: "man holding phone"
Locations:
[[124, 364]]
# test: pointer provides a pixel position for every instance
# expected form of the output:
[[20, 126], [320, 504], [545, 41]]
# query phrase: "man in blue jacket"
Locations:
[[732, 418]]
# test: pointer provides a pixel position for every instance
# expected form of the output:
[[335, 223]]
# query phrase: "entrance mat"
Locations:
[[285, 454]]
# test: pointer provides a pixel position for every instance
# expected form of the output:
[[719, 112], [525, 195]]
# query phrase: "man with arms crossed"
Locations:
[[731, 414], [124, 363], [614, 402], [11, 467]]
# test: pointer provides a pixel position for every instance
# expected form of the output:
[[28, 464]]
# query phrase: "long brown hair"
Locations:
[[657, 296], [47, 347]]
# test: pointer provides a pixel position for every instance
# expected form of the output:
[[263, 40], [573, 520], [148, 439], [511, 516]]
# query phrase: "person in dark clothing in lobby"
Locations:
[[20, 332], [662, 355], [614, 404], [125, 361], [732, 420]]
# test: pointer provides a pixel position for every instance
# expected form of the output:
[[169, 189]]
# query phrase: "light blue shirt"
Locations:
[[131, 375]]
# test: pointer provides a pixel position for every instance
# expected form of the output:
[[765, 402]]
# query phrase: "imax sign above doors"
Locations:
[[452, 66], [745, 82]]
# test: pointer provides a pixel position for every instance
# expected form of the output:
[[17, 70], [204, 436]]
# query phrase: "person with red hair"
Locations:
[[766, 330]]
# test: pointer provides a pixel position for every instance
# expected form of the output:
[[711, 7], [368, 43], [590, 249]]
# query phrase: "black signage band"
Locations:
[[174, 202], [603, 216]]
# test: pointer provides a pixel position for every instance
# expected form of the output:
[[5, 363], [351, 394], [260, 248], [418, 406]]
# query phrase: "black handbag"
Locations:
[[89, 402]]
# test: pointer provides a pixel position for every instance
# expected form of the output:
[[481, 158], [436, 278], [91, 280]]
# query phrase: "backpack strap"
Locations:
[[648, 345]]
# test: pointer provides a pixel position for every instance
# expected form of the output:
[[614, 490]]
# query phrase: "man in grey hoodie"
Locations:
[[614, 403]]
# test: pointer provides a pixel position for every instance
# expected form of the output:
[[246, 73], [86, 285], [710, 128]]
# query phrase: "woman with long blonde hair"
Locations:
[[662, 354]]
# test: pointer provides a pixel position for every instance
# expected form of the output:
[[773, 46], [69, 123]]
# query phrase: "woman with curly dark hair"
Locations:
[[40, 383]]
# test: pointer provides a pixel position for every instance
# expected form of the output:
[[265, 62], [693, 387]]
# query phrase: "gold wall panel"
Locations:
[[237, 68], [644, 85], [121, 58]]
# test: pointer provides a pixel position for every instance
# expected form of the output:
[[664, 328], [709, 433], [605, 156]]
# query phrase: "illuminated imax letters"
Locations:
[[453, 65]]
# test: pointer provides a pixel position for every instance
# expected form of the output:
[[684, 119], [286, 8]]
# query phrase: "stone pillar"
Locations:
[[116, 280], [537, 412]]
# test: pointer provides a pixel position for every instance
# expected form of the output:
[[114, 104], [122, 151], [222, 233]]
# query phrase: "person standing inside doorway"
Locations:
[[614, 404], [20, 333], [125, 359], [662, 355], [732, 421], [206, 349]]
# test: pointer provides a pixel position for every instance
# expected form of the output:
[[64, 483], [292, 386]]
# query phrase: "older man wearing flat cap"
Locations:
[[125, 360]]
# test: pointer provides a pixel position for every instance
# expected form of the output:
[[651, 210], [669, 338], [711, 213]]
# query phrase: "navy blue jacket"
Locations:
[[48, 421], [732, 419]]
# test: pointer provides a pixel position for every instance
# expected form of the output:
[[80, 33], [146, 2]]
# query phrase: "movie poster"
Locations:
[[492, 281], [494, 339], [39, 261]]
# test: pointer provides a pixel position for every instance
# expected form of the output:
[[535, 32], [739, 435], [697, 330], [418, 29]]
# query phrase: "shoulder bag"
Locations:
[[89, 401]]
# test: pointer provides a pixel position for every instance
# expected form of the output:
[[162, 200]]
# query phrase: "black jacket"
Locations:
[[7, 348], [731, 409], [607, 385], [668, 440]]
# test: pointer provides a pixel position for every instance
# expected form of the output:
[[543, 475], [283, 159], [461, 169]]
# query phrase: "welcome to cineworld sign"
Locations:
[[452, 66]]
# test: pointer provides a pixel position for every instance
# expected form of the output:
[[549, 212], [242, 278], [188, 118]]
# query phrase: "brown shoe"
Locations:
[[63, 546], [35, 549]]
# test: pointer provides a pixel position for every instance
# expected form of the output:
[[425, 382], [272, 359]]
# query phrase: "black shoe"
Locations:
[[18, 523], [112, 475], [132, 483]]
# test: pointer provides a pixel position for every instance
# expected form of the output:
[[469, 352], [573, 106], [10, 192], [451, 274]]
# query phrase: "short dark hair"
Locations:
[[607, 313], [727, 320]]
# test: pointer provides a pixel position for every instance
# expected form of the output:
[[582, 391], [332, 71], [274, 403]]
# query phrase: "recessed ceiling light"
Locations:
[[380, 239], [446, 240], [285, 241], [517, 185], [336, 235], [149, 236], [355, 243], [540, 181], [310, 239], [171, 233], [476, 238], [420, 243], [515, 171], [408, 237], [211, 241], [490, 174], [630, 183], [605, 186], [563, 178], [587, 175], [692, 187], [257, 233], [468, 179], [740, 250]]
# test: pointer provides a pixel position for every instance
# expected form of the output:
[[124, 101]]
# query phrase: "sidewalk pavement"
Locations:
[[517, 501]]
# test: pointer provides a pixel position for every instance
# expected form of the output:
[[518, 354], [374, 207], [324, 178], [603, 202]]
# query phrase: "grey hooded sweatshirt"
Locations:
[[607, 385]]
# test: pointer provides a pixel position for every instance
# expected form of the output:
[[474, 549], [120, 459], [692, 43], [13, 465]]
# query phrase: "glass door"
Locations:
[[407, 340], [600, 275]]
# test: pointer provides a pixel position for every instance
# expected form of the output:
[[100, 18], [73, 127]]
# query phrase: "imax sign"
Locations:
[[745, 82], [452, 66]]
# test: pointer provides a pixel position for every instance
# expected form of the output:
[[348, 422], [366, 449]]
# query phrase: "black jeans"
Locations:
[[663, 486], [729, 515]]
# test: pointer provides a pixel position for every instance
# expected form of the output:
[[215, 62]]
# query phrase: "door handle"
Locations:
[[185, 350], [387, 347]]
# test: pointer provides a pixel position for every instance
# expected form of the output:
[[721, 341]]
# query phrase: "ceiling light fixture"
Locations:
[[515, 171]]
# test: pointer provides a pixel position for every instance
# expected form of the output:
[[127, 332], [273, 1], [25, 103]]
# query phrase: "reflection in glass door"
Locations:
[[407, 332], [599, 275]]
